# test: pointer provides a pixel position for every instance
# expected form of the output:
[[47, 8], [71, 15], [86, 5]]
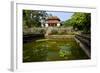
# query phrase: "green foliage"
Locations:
[[67, 23], [79, 21], [65, 51], [33, 18], [37, 53]]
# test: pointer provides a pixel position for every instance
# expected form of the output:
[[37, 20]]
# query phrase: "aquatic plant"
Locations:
[[65, 51]]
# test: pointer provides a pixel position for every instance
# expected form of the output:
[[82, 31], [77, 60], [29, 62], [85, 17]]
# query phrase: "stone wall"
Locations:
[[85, 43]]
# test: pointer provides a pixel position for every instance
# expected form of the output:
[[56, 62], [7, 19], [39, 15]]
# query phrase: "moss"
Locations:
[[52, 50]]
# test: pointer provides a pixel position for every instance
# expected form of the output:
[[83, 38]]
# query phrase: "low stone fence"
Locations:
[[32, 37], [34, 30], [53, 30], [84, 39], [85, 43], [59, 36]]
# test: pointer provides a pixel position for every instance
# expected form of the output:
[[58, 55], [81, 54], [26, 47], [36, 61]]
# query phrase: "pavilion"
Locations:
[[52, 21]]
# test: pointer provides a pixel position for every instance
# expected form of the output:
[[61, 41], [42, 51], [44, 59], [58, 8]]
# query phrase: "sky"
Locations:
[[62, 15]]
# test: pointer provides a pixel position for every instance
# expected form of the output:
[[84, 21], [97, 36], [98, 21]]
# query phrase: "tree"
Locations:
[[82, 21], [87, 22], [67, 23], [79, 20], [33, 18]]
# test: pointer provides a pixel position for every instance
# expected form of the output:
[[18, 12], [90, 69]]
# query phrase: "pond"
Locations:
[[52, 50]]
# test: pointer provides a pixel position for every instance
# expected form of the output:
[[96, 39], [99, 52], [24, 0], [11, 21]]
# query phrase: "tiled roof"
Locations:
[[53, 18]]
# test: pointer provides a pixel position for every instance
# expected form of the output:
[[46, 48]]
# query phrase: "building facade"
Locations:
[[52, 21]]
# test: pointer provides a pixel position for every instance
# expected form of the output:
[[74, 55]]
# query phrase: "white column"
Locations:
[[46, 25], [42, 25], [58, 24]]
